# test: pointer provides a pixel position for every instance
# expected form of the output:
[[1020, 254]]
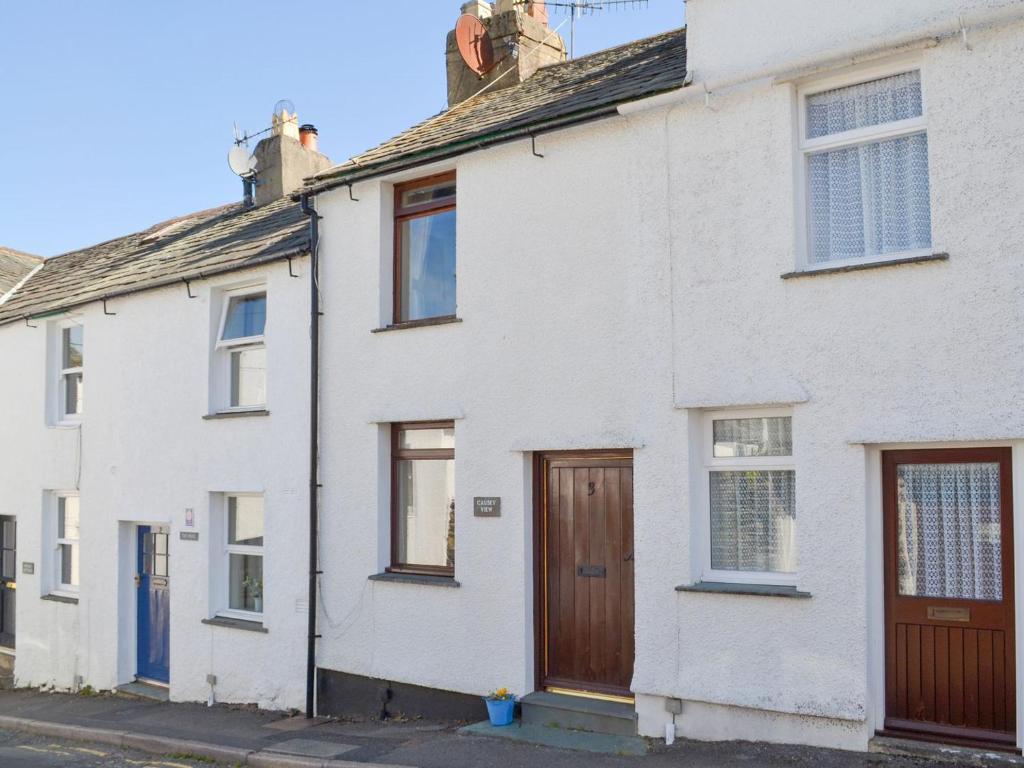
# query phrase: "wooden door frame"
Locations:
[[887, 460], [540, 458]]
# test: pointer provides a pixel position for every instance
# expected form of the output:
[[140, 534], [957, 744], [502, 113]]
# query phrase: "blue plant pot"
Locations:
[[500, 711]]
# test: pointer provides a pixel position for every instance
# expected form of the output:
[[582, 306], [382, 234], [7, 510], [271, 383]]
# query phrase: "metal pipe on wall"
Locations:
[[314, 448]]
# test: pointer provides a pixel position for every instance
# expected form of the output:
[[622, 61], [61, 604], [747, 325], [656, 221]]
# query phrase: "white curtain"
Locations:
[[949, 531], [872, 198]]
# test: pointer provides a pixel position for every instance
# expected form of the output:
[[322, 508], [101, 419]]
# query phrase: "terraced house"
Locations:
[[676, 387]]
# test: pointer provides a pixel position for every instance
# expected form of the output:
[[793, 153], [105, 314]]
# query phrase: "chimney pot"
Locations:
[[479, 8], [309, 136]]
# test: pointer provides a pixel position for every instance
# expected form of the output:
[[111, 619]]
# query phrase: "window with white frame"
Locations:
[[66, 548], [241, 346], [244, 552], [72, 346], [751, 498], [864, 151]]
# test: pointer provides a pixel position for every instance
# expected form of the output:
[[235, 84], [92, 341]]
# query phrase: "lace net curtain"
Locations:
[[753, 521], [868, 199], [949, 531]]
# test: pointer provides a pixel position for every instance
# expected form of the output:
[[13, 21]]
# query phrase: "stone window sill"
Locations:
[[416, 578], [69, 599], [419, 323], [757, 590], [230, 623], [236, 414], [867, 265]]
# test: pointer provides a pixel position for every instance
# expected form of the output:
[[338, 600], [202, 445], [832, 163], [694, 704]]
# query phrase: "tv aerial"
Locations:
[[243, 165], [579, 8]]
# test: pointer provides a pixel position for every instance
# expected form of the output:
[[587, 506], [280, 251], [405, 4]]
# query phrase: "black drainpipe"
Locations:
[[314, 444]]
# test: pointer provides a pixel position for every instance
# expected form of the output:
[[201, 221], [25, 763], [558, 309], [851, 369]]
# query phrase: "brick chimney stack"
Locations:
[[284, 159], [522, 41]]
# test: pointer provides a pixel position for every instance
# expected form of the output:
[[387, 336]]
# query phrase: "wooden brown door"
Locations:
[[587, 572], [949, 610]]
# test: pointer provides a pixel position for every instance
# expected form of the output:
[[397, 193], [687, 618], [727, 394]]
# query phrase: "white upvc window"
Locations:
[[243, 553], [863, 182], [748, 502], [242, 349], [69, 387], [66, 546]]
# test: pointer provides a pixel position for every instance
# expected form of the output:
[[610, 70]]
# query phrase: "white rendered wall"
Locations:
[[611, 291], [146, 455]]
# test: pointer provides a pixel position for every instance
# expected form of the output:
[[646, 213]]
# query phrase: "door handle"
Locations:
[[138, 580], [627, 558]]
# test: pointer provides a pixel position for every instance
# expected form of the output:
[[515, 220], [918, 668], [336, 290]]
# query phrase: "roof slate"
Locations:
[[590, 86], [14, 267], [190, 247]]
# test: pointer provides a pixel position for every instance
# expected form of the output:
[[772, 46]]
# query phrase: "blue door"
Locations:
[[154, 609]]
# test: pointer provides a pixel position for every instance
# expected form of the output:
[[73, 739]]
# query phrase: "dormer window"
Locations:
[[425, 249]]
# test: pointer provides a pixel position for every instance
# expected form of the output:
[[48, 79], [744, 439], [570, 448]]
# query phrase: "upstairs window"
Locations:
[[864, 149], [243, 349], [423, 498], [425, 249], [70, 386]]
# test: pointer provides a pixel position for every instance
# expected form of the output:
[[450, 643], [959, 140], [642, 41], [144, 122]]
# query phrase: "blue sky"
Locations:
[[119, 114]]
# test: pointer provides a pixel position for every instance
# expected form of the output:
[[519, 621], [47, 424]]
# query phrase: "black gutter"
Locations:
[[314, 446], [47, 311], [473, 144]]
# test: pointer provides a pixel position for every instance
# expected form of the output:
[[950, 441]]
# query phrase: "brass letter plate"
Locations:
[[939, 613], [592, 571]]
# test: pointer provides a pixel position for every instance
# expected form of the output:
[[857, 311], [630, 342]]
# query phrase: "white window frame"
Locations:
[[59, 587], [225, 348], [806, 147], [733, 463], [63, 417], [239, 549]]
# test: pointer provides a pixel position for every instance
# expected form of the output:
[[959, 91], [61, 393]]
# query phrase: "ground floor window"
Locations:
[[66, 544], [244, 552], [423, 497], [750, 502]]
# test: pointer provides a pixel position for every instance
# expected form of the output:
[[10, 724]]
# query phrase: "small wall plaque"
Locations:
[[486, 506], [28, 568], [190, 517], [189, 535]]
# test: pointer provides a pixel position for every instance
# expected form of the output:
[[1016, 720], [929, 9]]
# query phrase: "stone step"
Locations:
[[576, 713], [935, 753], [142, 690]]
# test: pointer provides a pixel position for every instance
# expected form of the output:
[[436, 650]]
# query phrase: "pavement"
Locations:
[[42, 730]]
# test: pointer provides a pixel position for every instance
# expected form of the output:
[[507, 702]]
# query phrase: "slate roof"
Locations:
[[199, 245], [584, 88], [14, 267]]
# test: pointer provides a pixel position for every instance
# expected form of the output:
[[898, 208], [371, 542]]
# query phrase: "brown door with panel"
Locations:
[[950, 667], [586, 552]]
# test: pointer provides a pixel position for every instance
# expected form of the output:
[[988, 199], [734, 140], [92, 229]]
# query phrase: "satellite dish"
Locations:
[[240, 162], [474, 44]]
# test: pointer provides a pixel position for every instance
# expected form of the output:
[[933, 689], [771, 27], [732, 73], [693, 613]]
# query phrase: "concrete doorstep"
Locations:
[[161, 745]]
